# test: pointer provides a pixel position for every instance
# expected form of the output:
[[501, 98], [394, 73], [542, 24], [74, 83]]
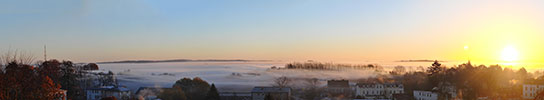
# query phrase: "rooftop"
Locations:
[[234, 94], [338, 83], [271, 89], [384, 84]]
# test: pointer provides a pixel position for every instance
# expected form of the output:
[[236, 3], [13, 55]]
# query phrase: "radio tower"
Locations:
[[44, 52]]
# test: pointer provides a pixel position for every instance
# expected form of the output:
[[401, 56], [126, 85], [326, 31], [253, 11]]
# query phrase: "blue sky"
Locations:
[[105, 30]]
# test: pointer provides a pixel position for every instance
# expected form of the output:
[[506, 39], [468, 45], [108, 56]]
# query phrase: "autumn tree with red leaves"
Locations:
[[51, 68], [23, 82]]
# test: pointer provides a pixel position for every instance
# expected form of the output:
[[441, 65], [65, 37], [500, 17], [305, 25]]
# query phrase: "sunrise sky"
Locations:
[[328, 30]]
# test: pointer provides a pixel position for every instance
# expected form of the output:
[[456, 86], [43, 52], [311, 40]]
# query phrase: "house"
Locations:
[[530, 91], [278, 93], [235, 95], [425, 95], [378, 90], [149, 93], [337, 88], [120, 93]]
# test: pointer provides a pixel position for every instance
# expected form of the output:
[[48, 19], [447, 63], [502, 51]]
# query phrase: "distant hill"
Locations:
[[182, 60]]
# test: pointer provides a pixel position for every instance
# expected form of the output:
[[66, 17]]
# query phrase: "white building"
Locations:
[[425, 95], [108, 91], [377, 90], [531, 90], [259, 93], [150, 93]]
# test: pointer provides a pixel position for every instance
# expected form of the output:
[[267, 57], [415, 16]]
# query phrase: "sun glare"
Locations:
[[510, 54]]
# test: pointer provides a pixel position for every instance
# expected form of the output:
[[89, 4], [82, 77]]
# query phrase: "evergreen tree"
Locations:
[[213, 94], [436, 74]]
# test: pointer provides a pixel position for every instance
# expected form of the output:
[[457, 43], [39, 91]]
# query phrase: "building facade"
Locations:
[[425, 95], [530, 91], [108, 91], [337, 88], [378, 90], [277, 93]]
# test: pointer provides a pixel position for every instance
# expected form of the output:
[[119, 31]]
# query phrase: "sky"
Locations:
[[289, 30]]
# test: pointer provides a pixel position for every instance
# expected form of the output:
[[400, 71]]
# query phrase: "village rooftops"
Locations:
[[338, 83], [151, 89], [234, 94], [386, 85], [270, 89]]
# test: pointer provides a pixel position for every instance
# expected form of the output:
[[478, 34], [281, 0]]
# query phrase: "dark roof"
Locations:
[[401, 96], [338, 83], [384, 84], [234, 94], [271, 89]]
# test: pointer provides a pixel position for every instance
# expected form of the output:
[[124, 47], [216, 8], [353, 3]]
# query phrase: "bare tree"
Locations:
[[398, 70], [17, 56], [312, 83], [282, 82]]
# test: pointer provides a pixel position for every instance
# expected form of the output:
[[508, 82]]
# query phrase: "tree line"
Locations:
[[329, 66], [470, 81]]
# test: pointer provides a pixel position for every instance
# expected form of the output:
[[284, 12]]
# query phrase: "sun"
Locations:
[[510, 54]]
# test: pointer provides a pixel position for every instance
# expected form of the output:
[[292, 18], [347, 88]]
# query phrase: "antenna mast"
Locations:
[[44, 52]]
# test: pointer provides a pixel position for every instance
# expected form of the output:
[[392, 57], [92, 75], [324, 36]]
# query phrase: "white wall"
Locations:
[[378, 89]]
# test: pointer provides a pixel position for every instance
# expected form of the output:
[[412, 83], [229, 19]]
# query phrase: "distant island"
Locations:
[[182, 60], [424, 60]]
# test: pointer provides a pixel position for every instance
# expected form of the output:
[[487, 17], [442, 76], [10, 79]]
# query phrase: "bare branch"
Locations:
[[282, 82], [20, 57], [312, 83]]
